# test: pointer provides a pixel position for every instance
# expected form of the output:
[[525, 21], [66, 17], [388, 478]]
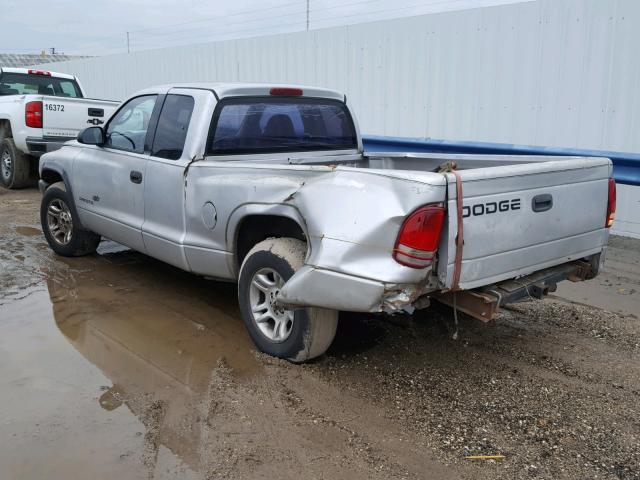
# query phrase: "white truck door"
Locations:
[[179, 137], [109, 180]]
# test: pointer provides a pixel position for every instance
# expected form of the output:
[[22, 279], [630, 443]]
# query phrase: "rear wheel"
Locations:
[[297, 335], [60, 225], [14, 165]]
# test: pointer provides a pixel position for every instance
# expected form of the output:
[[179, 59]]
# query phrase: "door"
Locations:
[[108, 181], [164, 226]]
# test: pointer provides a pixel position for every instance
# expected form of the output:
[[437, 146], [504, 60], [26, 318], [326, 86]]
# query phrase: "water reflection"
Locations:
[[157, 333]]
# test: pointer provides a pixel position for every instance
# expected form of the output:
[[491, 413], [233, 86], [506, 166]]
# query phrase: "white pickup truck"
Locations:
[[268, 186], [39, 111]]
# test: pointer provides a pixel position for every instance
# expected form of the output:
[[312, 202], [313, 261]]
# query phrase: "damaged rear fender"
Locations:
[[243, 212]]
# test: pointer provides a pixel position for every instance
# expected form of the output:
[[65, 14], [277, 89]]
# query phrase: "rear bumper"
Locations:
[[317, 287], [484, 303], [39, 146]]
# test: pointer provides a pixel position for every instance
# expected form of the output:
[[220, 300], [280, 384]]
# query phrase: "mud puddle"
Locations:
[[92, 349], [116, 365]]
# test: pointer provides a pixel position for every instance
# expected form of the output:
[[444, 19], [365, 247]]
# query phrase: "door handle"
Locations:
[[542, 203], [135, 177]]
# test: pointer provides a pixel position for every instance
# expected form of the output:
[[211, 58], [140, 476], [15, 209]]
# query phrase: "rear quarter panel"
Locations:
[[351, 216], [12, 108]]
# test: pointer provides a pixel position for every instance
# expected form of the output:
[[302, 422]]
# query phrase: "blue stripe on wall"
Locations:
[[626, 166]]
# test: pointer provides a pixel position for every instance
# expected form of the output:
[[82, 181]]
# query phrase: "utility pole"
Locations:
[[128, 49], [307, 15]]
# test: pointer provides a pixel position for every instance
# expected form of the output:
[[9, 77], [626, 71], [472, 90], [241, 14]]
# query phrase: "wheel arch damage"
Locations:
[[349, 218]]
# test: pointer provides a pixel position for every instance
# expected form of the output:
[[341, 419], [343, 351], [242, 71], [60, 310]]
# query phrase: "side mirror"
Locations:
[[92, 136]]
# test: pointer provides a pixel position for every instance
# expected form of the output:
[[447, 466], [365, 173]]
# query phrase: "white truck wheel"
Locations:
[[14, 165], [296, 335]]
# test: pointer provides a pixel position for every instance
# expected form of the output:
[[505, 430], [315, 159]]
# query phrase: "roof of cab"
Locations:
[[27, 70], [223, 90]]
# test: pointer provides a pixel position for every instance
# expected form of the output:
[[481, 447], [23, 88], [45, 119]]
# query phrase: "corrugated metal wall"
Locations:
[[551, 72]]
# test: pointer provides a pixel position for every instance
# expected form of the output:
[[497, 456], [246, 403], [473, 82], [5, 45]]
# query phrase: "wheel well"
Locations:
[[51, 177], [256, 228], [5, 130]]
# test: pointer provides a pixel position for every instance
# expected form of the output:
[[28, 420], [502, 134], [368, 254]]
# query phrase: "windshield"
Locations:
[[262, 125], [25, 84]]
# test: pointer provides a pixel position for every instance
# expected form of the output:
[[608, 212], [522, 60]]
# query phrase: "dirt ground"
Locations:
[[117, 366]]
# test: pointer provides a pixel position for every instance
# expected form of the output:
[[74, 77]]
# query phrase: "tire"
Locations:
[[67, 239], [15, 166], [296, 335]]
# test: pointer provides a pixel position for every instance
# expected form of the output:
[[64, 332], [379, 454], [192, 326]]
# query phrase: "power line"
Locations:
[[225, 25], [231, 32], [308, 16], [190, 37], [417, 5], [243, 21], [217, 17], [189, 33]]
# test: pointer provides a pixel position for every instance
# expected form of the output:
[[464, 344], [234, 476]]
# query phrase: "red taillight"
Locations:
[[419, 237], [286, 91], [611, 204], [33, 114], [39, 72]]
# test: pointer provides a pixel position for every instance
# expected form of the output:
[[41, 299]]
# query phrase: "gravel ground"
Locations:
[[117, 365]]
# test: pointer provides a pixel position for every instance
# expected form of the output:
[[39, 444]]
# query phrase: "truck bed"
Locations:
[[521, 214]]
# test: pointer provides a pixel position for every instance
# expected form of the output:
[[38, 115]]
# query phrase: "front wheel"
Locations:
[[60, 225], [297, 335]]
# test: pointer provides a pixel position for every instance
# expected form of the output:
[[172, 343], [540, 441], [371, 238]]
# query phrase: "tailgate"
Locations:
[[65, 117], [519, 219]]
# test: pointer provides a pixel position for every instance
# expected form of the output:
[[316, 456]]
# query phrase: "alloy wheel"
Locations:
[[59, 221], [274, 321], [6, 165]]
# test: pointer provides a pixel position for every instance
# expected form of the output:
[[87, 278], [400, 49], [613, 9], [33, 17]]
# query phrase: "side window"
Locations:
[[127, 130], [69, 89], [172, 127]]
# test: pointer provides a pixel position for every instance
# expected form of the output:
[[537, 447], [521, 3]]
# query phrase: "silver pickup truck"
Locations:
[[268, 186]]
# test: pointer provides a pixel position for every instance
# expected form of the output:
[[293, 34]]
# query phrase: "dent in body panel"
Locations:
[[350, 217]]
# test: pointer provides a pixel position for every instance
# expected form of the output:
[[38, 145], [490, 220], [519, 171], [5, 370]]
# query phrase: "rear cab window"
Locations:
[[246, 125], [30, 84]]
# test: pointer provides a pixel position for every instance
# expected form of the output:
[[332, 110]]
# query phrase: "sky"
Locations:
[[84, 27]]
